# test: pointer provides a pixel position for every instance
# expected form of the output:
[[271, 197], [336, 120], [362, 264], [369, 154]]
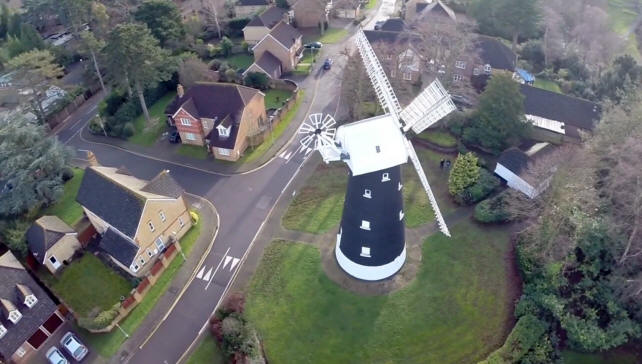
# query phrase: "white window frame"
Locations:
[[476, 71], [365, 225], [223, 131], [365, 252], [30, 301], [401, 215], [3, 331], [141, 260], [488, 68], [457, 77], [385, 177], [181, 223], [186, 122], [460, 65], [190, 136], [150, 253], [150, 224], [15, 316], [407, 76], [224, 151], [367, 193], [134, 268], [162, 215], [160, 244], [55, 262]]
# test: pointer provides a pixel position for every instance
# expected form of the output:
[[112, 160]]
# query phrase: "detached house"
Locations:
[[278, 52], [262, 24], [220, 116], [28, 317], [247, 8], [397, 50], [137, 219], [52, 242]]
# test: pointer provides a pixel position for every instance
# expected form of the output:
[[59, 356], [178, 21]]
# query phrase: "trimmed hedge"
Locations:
[[525, 335], [492, 210]]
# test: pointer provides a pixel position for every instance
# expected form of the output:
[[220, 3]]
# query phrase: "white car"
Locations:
[[55, 356], [73, 346]]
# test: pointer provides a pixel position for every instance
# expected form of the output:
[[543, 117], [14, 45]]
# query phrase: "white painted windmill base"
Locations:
[[369, 273]]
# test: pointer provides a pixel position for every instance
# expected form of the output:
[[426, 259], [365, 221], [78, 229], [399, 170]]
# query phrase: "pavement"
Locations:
[[244, 197]]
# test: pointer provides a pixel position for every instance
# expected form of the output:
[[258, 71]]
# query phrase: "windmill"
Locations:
[[371, 240]]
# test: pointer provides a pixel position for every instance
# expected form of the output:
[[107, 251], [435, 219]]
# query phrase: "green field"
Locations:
[[275, 99], [455, 311], [147, 135], [318, 205], [67, 209]]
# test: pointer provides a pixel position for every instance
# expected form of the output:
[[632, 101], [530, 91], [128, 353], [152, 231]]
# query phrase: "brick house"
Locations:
[[397, 51], [247, 8], [309, 13], [284, 44], [28, 316], [220, 116], [263, 23], [137, 219]]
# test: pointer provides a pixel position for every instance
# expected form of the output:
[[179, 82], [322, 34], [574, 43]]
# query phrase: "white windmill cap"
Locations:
[[372, 144]]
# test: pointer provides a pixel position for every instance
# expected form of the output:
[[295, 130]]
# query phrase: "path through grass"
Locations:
[[455, 311]]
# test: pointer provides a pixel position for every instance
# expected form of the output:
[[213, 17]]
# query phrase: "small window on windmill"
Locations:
[[399, 187], [365, 252], [367, 193], [378, 149], [365, 225], [385, 177]]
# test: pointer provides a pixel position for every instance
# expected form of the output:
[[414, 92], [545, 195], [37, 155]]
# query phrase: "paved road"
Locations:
[[243, 202]]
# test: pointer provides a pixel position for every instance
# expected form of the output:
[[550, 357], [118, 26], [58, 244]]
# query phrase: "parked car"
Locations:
[[327, 64], [73, 346], [54, 356], [379, 24], [174, 137], [313, 45]]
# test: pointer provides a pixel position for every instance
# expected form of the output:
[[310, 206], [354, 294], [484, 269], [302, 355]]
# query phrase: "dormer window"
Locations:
[[31, 301], [223, 131], [186, 122], [3, 331], [15, 316], [487, 68], [460, 64]]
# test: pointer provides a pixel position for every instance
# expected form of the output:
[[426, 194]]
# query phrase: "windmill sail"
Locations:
[[430, 106]]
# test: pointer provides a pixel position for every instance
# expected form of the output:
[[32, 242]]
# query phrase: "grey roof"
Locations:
[[111, 201], [374, 36], [268, 18], [268, 63], [45, 233], [580, 113], [436, 8], [163, 184], [285, 34], [514, 160], [495, 53], [393, 25], [32, 318], [119, 247], [252, 2]]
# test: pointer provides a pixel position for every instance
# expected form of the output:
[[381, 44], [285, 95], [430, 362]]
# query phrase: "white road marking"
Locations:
[[200, 273], [216, 270], [227, 260], [208, 275], [234, 263], [282, 154], [287, 156]]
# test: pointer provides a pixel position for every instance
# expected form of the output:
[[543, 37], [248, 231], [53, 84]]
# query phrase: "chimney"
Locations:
[[180, 91], [91, 157]]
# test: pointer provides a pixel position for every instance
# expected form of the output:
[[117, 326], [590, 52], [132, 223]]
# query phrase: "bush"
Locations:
[[102, 320], [12, 232], [528, 332], [257, 80], [492, 210], [128, 130], [464, 173], [484, 186], [67, 174]]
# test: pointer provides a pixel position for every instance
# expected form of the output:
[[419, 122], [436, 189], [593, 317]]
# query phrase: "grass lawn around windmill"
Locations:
[[455, 311], [318, 205]]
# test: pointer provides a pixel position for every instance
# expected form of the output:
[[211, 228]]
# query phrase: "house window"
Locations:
[[54, 262], [150, 253], [162, 216], [365, 225], [476, 71], [190, 136], [181, 223], [367, 193], [3, 331], [141, 261], [31, 301], [151, 226], [407, 76], [401, 215], [225, 152], [487, 68], [134, 268], [365, 251], [457, 77], [460, 64], [186, 122], [15, 316], [385, 177], [159, 243], [223, 131]]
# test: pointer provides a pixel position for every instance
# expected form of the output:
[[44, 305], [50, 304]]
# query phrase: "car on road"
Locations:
[[73, 346], [327, 64], [379, 24], [313, 45], [54, 356], [174, 137]]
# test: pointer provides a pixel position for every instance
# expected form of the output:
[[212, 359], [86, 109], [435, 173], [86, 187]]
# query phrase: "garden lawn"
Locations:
[[192, 151], [371, 4], [67, 209], [547, 85], [333, 35], [238, 61], [275, 99], [317, 207], [148, 135], [278, 130], [455, 311], [207, 352], [302, 69], [107, 345], [77, 286], [622, 17], [439, 137]]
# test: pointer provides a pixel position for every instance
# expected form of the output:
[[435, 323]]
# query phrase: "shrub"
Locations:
[[492, 210], [102, 320], [12, 232], [464, 173], [67, 174], [128, 130], [484, 186], [226, 46], [257, 80], [528, 331]]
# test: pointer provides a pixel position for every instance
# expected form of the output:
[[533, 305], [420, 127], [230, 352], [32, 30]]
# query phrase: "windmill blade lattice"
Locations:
[[319, 133]]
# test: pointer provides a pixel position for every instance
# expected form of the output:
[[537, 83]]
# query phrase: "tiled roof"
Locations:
[[393, 25], [44, 233], [268, 63], [514, 160], [268, 18], [163, 184], [285, 34], [111, 201], [550, 105], [436, 7], [119, 247], [495, 53], [13, 274]]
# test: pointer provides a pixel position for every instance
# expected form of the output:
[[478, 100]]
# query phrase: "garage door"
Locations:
[[53, 323], [37, 339]]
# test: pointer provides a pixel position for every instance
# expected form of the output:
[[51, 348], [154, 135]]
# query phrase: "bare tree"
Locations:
[[356, 90]]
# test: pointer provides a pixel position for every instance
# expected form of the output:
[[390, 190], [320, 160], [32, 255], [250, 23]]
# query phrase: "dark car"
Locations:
[[174, 137], [313, 45], [379, 24], [327, 64]]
